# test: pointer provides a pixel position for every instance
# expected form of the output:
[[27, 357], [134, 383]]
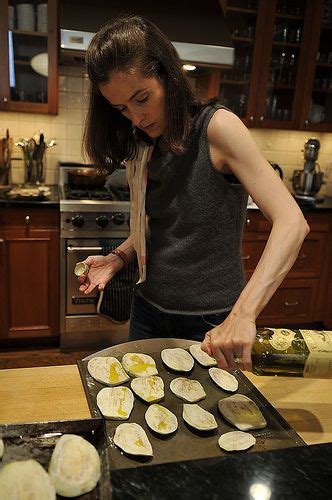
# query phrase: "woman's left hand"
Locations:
[[230, 343]]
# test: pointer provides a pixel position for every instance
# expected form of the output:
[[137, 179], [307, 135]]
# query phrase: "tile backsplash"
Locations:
[[280, 146]]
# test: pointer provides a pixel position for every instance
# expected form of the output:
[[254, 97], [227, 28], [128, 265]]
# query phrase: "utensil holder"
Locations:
[[4, 174], [34, 172]]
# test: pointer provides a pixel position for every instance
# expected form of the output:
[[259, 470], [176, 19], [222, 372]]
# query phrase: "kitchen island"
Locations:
[[56, 393]]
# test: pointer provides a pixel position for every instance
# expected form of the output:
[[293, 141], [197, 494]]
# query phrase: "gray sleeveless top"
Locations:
[[196, 217]]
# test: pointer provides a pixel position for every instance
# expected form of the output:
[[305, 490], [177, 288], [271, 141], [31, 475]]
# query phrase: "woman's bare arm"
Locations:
[[232, 144]]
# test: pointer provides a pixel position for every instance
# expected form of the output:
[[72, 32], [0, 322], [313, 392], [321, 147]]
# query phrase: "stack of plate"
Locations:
[[42, 17], [25, 16]]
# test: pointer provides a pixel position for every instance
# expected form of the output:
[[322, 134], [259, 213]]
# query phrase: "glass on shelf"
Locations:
[[243, 4], [278, 105], [287, 32], [290, 7], [327, 17], [28, 54], [234, 99], [321, 98], [283, 67]]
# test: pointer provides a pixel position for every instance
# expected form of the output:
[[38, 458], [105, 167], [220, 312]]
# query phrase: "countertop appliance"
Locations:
[[198, 31], [90, 216], [308, 181], [278, 169]]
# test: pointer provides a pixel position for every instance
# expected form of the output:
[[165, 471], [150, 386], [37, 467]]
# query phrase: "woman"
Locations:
[[199, 163]]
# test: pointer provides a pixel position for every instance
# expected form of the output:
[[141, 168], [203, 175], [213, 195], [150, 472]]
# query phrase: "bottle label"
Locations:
[[281, 338], [319, 361], [318, 340], [318, 365]]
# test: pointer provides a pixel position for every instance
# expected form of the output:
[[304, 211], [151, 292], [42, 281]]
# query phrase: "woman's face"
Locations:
[[140, 99]]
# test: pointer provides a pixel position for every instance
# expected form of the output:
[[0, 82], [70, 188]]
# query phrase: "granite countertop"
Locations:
[[296, 473], [52, 200], [325, 205]]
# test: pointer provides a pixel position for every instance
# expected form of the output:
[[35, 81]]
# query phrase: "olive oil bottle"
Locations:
[[296, 353]]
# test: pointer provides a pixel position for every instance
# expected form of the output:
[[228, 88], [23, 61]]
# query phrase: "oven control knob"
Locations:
[[78, 221], [102, 221], [118, 218]]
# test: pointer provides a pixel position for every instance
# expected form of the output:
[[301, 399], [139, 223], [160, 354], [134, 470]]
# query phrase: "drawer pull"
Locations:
[[291, 304], [248, 222], [2, 255], [245, 257], [27, 219], [302, 256]]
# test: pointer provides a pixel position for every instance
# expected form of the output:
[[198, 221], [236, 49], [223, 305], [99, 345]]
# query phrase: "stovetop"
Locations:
[[111, 194], [112, 198]]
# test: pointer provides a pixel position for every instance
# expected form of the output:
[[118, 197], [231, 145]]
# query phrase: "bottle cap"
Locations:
[[81, 269]]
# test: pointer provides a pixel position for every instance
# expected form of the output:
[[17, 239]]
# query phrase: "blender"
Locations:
[[308, 181]]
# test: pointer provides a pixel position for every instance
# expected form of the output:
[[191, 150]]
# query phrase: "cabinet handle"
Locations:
[[4, 99], [251, 118], [245, 257], [247, 222], [306, 123], [302, 256], [84, 249], [2, 246], [291, 304], [261, 118], [27, 219]]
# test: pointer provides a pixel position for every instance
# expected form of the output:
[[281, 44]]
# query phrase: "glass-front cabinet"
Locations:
[[282, 73], [29, 65], [238, 85], [317, 109]]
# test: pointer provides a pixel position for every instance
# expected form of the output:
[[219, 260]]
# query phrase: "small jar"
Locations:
[[81, 269]]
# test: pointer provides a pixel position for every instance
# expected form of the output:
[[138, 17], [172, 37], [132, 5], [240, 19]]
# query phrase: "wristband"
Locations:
[[122, 256]]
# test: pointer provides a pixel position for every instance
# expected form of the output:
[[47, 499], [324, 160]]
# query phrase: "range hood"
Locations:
[[196, 28]]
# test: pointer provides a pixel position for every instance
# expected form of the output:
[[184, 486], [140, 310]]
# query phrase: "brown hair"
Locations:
[[126, 43]]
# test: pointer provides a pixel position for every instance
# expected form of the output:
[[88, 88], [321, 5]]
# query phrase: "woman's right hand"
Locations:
[[102, 269]]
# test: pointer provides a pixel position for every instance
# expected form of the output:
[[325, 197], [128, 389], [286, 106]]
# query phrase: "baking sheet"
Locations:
[[185, 444], [37, 440]]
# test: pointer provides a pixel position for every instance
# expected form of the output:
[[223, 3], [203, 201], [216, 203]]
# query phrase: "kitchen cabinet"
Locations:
[[282, 72], [29, 56], [29, 266], [304, 297], [204, 81], [316, 111]]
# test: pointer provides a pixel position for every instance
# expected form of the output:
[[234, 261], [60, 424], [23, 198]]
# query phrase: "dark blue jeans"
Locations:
[[147, 322]]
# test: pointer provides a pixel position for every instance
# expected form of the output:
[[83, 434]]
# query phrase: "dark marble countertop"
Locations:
[[324, 205], [52, 200], [303, 472]]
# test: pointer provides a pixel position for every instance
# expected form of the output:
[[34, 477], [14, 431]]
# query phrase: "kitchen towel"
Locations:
[[114, 302], [137, 180]]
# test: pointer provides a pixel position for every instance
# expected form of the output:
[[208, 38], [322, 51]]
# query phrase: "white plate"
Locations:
[[39, 64]]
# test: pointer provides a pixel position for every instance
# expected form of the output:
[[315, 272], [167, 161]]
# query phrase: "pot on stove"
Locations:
[[86, 178]]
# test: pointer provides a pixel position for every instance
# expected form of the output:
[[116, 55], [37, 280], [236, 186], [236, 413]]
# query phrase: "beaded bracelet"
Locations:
[[122, 256]]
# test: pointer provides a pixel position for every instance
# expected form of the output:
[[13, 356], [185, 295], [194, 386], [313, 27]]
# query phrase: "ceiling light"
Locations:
[[189, 67]]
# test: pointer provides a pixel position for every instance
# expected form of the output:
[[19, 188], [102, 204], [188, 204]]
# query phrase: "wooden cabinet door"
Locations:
[[239, 84], [29, 285], [293, 303], [23, 89], [282, 74], [316, 109], [286, 41]]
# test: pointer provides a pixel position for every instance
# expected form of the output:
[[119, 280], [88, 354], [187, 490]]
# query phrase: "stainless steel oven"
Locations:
[[88, 223], [77, 250]]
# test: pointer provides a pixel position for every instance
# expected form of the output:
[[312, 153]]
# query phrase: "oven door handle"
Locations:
[[84, 249]]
